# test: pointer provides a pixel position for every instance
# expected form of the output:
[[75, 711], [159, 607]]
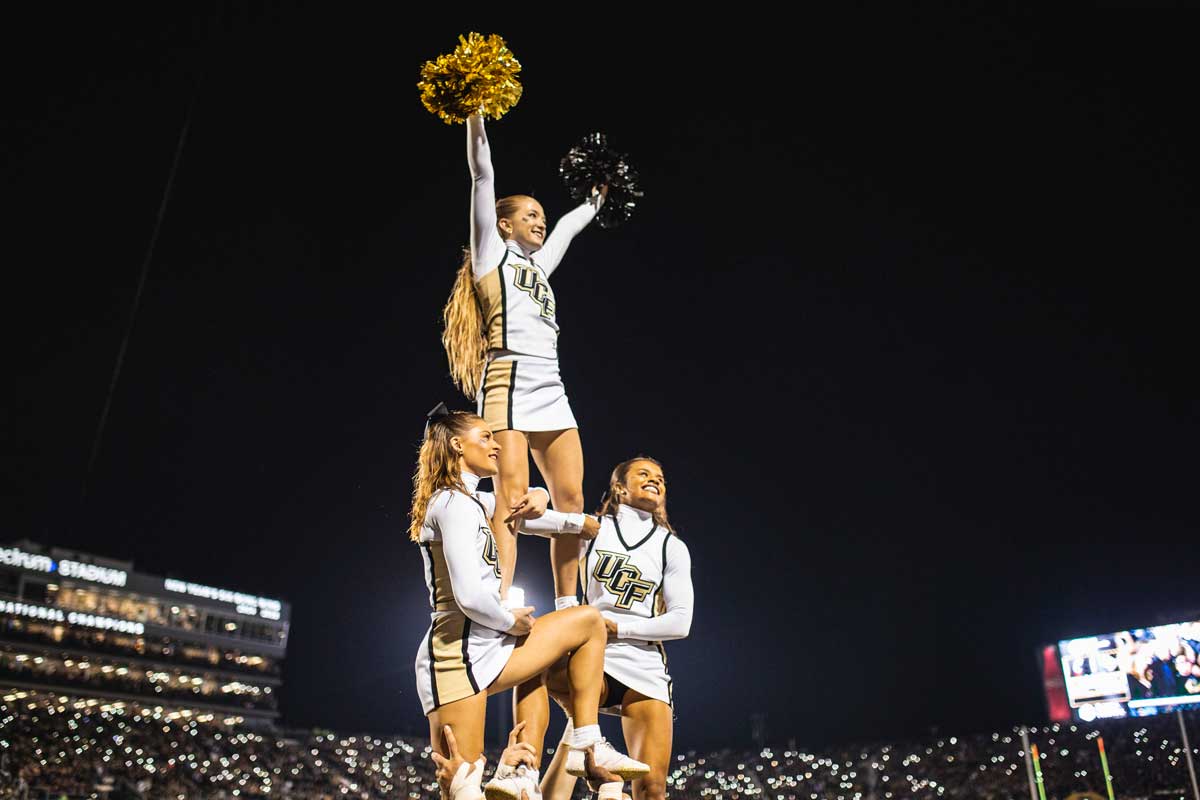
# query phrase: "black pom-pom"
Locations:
[[591, 163]]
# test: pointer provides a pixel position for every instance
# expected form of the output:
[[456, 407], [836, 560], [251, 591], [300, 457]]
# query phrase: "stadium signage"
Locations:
[[248, 604], [91, 572], [36, 562], [71, 618], [19, 558]]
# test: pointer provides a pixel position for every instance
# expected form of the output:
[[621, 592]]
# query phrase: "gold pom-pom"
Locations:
[[479, 76]]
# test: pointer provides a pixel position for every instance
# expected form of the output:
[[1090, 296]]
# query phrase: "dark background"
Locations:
[[905, 314]]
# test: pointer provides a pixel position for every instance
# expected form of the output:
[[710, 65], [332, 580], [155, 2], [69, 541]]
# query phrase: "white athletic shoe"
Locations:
[[508, 783], [607, 758]]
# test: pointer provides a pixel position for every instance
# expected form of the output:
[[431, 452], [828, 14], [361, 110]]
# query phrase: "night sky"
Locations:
[[904, 314]]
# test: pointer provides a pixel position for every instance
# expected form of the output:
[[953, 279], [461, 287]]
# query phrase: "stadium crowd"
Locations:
[[54, 746]]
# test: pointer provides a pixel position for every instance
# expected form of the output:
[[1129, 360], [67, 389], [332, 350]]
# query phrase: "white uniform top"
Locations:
[[519, 310], [458, 524], [640, 576]]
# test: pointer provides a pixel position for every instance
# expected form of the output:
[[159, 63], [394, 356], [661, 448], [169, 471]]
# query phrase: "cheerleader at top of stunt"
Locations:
[[475, 646], [501, 339]]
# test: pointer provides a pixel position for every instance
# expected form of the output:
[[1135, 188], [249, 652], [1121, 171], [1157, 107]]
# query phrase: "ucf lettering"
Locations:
[[622, 579], [489, 550], [530, 281]]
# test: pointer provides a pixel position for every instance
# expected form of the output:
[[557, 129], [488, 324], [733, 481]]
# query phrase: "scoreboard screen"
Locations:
[[1131, 673]]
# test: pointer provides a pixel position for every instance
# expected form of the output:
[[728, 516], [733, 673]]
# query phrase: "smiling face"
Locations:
[[478, 450], [522, 220], [644, 486]]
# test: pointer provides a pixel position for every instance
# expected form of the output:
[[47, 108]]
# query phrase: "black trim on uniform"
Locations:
[[466, 652], [658, 591], [433, 598], [433, 668], [481, 508], [617, 525], [586, 557], [512, 385], [503, 304]]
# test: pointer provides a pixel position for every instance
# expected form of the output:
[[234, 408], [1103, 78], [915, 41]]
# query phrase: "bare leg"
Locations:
[[466, 717], [578, 631], [559, 457], [531, 705], [510, 484], [647, 725], [557, 783]]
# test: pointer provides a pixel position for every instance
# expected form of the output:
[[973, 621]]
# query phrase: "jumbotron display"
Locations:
[[1132, 673]]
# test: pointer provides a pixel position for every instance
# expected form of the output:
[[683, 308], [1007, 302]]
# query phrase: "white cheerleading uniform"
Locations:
[[640, 576], [521, 388], [466, 646]]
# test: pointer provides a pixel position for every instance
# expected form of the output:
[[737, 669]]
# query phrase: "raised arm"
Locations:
[[457, 519], [568, 227], [677, 594], [486, 244]]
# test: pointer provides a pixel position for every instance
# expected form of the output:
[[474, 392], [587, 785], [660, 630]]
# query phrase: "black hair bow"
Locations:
[[435, 413]]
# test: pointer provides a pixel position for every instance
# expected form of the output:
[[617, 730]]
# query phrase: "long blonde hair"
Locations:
[[437, 465], [616, 484], [463, 335]]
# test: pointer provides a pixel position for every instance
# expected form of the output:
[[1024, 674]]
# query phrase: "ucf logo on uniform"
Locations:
[[621, 578], [489, 550], [530, 281]]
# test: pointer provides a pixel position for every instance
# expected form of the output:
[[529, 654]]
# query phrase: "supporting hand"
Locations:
[[531, 505], [453, 772], [519, 752], [524, 621], [591, 527]]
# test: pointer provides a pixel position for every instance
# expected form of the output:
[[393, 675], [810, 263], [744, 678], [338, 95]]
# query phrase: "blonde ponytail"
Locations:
[[462, 336], [437, 465]]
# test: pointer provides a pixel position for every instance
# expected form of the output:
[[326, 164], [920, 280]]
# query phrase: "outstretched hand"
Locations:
[[530, 506]]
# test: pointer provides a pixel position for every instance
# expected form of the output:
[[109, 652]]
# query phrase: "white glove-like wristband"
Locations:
[[611, 791], [468, 775]]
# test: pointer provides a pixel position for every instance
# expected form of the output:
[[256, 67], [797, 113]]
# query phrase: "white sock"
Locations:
[[611, 791], [585, 736], [565, 602]]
